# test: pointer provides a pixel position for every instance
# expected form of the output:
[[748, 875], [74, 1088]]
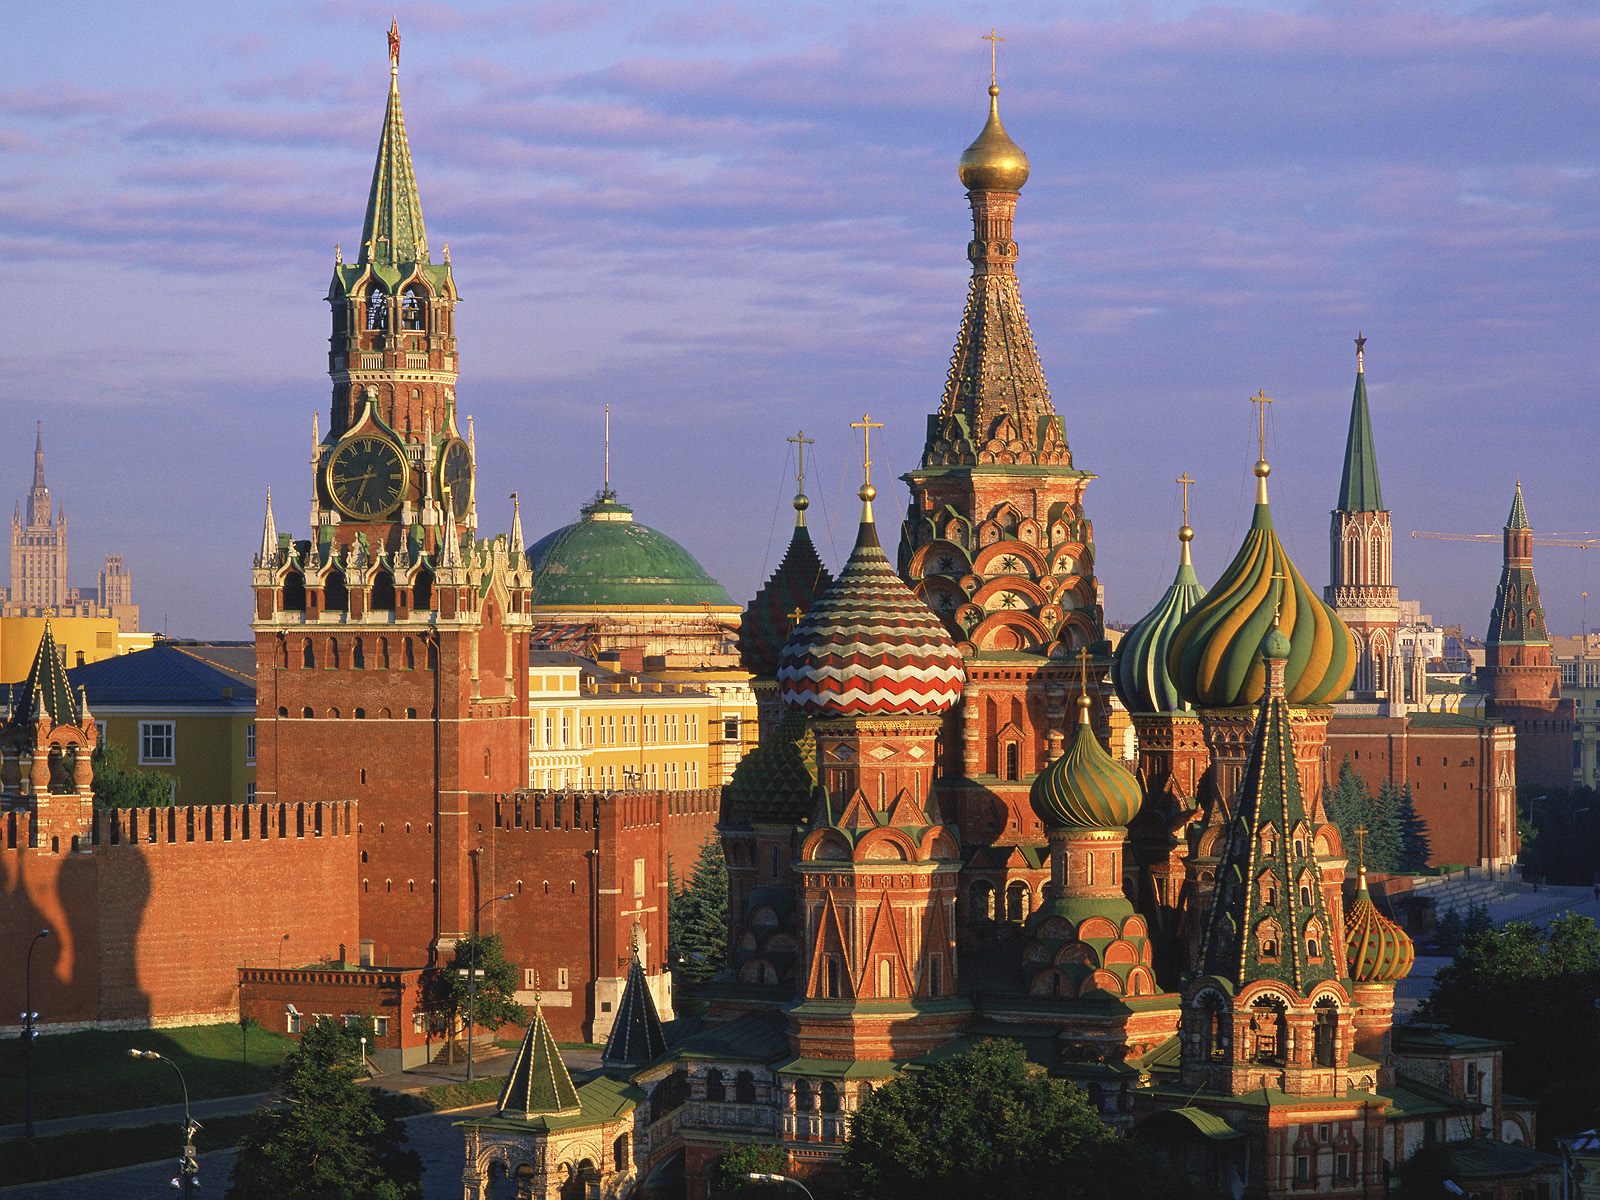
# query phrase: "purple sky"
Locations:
[[730, 220]]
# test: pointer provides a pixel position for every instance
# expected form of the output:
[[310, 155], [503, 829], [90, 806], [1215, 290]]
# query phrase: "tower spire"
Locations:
[[393, 233], [269, 535], [517, 546], [1358, 489]]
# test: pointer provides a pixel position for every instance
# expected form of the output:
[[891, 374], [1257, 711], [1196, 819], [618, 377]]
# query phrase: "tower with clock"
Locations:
[[391, 644]]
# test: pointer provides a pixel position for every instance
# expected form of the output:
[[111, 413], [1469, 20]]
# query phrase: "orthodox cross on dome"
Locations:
[[394, 43], [801, 441], [994, 40], [866, 425], [1185, 483], [1083, 674], [1361, 845], [1278, 580], [1261, 400], [1361, 351]]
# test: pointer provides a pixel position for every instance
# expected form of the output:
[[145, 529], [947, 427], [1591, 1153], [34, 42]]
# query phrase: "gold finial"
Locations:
[[1278, 580], [1361, 856], [605, 484], [801, 441], [447, 252], [994, 40], [1263, 468], [1185, 533], [1361, 352], [538, 990], [1083, 685], [338, 255], [394, 45], [866, 425]]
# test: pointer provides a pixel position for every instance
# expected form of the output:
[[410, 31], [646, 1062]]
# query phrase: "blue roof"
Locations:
[[172, 674]]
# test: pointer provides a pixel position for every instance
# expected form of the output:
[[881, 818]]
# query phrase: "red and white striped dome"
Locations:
[[868, 646]]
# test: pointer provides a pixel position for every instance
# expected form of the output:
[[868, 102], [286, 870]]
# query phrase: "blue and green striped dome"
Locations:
[[1085, 788], [1140, 672]]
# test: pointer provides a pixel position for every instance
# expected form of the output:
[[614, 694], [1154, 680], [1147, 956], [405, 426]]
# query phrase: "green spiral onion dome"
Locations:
[[1140, 671], [773, 784], [1214, 657], [1376, 949], [1085, 788]]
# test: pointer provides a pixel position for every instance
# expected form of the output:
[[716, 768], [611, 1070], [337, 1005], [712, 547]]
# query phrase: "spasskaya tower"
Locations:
[[391, 648]]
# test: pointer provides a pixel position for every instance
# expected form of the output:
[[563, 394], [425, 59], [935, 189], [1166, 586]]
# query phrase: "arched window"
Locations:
[[377, 308], [832, 978], [716, 1090], [422, 590], [1305, 896], [383, 654], [333, 655], [619, 1153], [358, 656], [308, 656], [1325, 1032], [744, 1088], [1269, 1030], [804, 1099], [408, 655], [885, 979], [983, 900], [294, 592], [335, 592], [830, 1097], [1013, 761], [1017, 901], [414, 308], [382, 591]]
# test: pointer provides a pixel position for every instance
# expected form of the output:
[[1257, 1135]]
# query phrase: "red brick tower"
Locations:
[[390, 650], [1520, 674], [996, 540]]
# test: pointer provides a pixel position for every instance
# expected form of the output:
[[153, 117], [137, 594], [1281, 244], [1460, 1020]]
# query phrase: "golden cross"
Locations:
[[1361, 844], [1083, 670], [1261, 400], [1278, 580], [994, 40], [797, 616], [1184, 482], [866, 425], [801, 441]]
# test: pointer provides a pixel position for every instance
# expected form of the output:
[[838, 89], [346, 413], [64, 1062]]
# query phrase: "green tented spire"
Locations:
[[1519, 514], [1269, 918], [539, 1084], [636, 1036], [393, 233], [1359, 490], [47, 691]]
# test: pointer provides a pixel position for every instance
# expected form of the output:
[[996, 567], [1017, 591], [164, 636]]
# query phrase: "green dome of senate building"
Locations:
[[606, 559]]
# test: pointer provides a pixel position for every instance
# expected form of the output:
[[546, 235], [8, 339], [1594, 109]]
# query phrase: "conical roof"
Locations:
[[1377, 950], [1358, 487], [539, 1084], [1214, 658], [393, 232], [1085, 788], [636, 1037], [869, 646], [994, 162], [1140, 672], [770, 616], [775, 783], [1269, 918], [46, 692], [1519, 512]]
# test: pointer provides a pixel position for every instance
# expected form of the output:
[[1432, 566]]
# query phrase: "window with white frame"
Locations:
[[380, 1026], [694, 774], [250, 793], [156, 742], [250, 744], [291, 1022], [100, 729]]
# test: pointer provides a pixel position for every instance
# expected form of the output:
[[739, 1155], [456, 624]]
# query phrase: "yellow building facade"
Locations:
[[82, 640]]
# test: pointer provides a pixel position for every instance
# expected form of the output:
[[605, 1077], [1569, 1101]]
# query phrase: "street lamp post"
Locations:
[[472, 973], [762, 1177], [29, 1018], [188, 1169]]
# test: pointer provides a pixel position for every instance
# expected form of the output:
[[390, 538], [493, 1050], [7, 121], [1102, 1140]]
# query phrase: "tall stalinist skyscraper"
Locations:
[[39, 543]]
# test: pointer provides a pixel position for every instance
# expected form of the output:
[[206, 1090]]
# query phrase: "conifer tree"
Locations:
[[1415, 847], [1350, 805], [697, 917], [328, 1140]]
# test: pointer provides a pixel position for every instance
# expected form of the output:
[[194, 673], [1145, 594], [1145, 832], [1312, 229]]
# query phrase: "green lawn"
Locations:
[[77, 1073], [82, 1151]]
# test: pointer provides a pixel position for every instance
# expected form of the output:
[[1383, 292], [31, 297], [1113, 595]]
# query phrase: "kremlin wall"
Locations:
[[931, 841]]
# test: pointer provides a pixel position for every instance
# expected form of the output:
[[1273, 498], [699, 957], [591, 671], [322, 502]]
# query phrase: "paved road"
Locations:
[[432, 1135], [133, 1117]]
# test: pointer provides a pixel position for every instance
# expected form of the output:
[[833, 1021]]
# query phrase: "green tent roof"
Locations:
[[606, 559], [46, 691], [1359, 490], [539, 1084]]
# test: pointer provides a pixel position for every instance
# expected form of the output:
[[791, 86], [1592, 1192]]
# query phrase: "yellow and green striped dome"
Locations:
[[1376, 949], [1085, 788], [1215, 655]]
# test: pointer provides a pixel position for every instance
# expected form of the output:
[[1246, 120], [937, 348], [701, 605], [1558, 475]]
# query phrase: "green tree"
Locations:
[[1350, 806], [986, 1123], [330, 1139], [1415, 847], [1539, 991], [117, 785], [1560, 836], [494, 998], [697, 917], [728, 1180]]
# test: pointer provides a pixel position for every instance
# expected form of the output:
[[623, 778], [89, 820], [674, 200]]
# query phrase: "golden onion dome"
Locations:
[[1215, 656], [994, 163], [1376, 949], [1085, 788]]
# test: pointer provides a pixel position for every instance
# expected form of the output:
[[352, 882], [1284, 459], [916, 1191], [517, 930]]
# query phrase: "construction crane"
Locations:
[[1564, 543]]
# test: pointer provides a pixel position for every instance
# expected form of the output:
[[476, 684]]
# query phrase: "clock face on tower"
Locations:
[[455, 476], [367, 477]]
